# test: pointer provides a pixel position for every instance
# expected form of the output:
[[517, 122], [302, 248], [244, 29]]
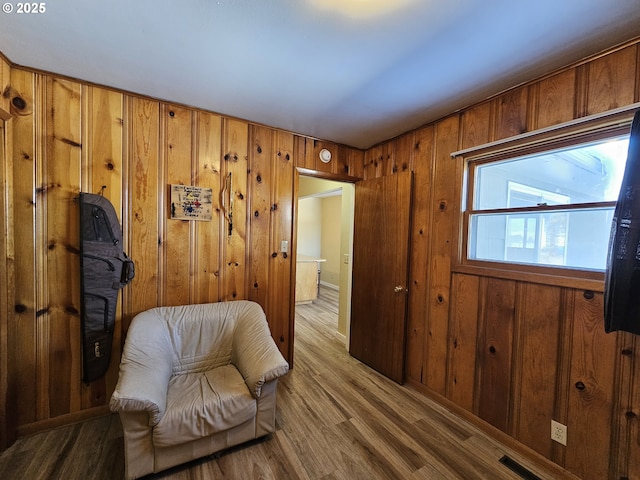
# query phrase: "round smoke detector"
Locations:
[[325, 155]]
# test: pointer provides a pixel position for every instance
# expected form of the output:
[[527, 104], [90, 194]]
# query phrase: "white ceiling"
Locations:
[[351, 71]]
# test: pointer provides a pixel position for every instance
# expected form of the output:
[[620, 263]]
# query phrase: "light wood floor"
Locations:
[[337, 419]]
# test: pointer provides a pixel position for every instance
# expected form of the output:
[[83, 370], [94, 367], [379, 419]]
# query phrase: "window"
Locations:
[[549, 206]]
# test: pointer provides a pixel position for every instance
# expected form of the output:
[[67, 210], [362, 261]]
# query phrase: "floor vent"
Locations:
[[514, 466]]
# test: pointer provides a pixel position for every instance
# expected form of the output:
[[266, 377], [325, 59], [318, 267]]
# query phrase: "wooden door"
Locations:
[[380, 273]]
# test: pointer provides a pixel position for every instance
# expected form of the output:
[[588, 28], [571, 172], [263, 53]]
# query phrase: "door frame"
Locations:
[[299, 171]]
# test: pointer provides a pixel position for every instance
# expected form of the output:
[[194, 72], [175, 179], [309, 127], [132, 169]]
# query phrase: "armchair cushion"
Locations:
[[200, 404]]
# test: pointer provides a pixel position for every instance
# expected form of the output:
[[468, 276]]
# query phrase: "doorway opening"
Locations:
[[324, 249]]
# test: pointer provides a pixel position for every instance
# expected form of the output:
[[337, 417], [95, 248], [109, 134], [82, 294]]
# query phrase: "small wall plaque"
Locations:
[[191, 203]]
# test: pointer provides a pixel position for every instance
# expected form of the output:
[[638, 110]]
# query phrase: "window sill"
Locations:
[[524, 273]]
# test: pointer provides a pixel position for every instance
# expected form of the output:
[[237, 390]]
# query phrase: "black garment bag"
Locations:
[[104, 270], [622, 278]]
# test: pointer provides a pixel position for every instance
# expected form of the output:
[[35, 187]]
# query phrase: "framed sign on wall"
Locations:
[[191, 203]]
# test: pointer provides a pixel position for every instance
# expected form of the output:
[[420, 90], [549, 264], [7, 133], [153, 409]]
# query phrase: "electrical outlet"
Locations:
[[559, 432]]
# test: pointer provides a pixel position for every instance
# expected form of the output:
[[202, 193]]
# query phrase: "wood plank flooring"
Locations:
[[337, 420]]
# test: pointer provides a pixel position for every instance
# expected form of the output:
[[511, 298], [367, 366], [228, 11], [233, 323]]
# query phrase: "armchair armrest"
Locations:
[[145, 369], [254, 353]]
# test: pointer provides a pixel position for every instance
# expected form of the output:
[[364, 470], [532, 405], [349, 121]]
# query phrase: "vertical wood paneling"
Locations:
[[625, 456], [7, 290], [62, 184], [342, 159], [302, 160], [144, 188], [388, 158], [207, 175], [591, 387], [103, 161], [511, 113], [495, 349], [403, 154], [556, 99], [631, 413], [422, 158], [22, 322], [443, 225], [372, 163], [356, 163], [463, 337], [476, 126], [235, 150], [612, 80], [105, 119], [260, 162], [5, 89], [177, 237], [280, 266], [539, 321]]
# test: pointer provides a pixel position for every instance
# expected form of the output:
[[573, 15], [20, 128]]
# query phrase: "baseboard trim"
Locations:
[[62, 420], [330, 285]]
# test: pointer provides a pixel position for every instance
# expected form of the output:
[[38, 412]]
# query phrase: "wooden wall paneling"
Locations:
[[495, 351], [208, 234], [178, 288], [404, 149], [280, 266], [342, 160], [556, 100], [102, 152], [62, 171], [145, 206], [7, 287], [637, 96], [260, 206], [235, 141], [612, 80], [631, 433], [511, 113], [23, 331], [538, 331], [625, 440], [41, 140], [443, 229], [388, 157], [563, 369], [591, 388], [463, 340], [301, 158], [356, 162], [422, 159], [373, 162], [5, 89], [476, 125]]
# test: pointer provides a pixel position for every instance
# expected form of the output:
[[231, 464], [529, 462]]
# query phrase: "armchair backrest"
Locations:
[[200, 336]]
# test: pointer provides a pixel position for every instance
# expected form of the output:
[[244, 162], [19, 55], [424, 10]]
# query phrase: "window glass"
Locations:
[[584, 174], [553, 208], [570, 238]]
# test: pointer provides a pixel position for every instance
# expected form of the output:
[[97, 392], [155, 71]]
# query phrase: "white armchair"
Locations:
[[194, 380]]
